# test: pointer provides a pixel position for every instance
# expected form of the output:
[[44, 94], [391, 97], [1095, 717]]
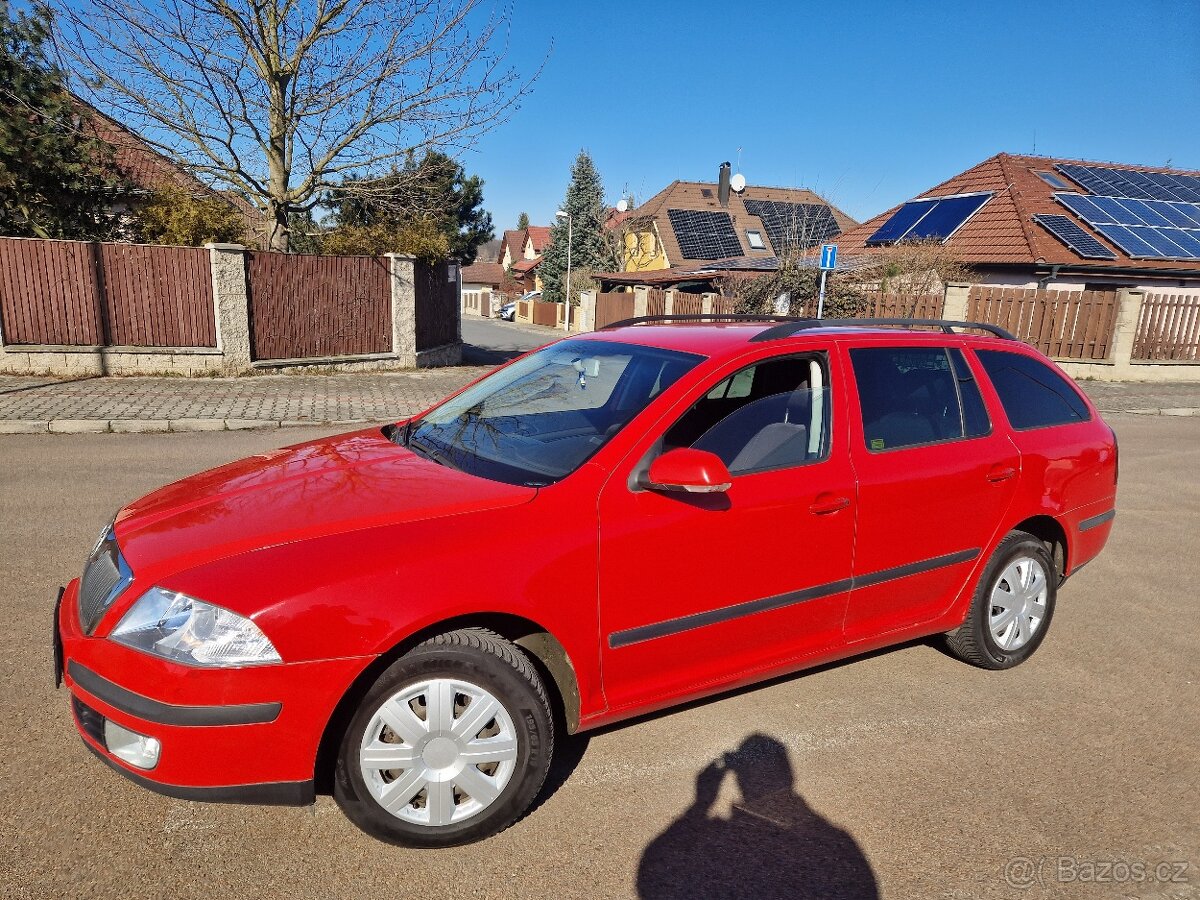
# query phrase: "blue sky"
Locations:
[[868, 103]]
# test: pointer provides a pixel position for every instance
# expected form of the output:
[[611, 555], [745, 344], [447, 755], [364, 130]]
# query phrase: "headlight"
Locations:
[[191, 631]]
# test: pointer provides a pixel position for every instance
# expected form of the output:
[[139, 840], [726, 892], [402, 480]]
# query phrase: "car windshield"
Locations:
[[537, 420]]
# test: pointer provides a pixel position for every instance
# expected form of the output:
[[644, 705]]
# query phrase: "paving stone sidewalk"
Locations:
[[29, 405], [195, 404]]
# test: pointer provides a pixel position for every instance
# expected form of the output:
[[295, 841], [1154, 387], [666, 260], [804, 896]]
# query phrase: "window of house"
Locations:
[[912, 396], [1033, 395], [771, 415], [1053, 180], [755, 240]]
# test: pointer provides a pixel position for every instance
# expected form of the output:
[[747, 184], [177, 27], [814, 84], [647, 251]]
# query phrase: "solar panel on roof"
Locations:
[[934, 218], [1141, 228], [703, 234], [794, 225], [1137, 184], [1076, 239]]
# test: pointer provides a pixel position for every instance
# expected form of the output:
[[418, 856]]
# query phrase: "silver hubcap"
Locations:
[[1018, 603], [438, 752]]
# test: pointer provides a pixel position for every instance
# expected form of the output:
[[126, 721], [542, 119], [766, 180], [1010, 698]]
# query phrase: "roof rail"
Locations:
[[791, 327], [702, 317]]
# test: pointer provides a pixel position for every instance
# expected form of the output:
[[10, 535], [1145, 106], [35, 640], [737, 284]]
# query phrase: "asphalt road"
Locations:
[[904, 774], [489, 342]]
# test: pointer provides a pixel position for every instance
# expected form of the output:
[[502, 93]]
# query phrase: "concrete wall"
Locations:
[[233, 353]]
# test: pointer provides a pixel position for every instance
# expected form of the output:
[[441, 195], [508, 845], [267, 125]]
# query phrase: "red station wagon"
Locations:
[[714, 503]]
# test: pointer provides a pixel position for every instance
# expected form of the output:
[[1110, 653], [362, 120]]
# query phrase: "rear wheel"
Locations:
[[1012, 606], [450, 745]]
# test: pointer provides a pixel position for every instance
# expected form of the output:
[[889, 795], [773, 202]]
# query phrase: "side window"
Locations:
[[909, 397], [975, 414], [767, 416], [1033, 395]]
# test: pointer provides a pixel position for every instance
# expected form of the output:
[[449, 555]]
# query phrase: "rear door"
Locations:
[[935, 479]]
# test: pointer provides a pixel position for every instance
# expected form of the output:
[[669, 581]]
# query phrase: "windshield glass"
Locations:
[[540, 418]]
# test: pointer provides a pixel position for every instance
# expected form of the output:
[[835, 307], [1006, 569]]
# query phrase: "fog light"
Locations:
[[136, 749]]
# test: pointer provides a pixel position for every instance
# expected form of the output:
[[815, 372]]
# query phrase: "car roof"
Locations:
[[724, 338]]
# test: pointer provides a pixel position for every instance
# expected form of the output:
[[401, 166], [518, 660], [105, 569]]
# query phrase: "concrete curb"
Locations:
[[158, 426], [1153, 411]]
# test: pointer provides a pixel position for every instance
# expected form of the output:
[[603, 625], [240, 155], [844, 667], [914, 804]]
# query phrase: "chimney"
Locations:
[[723, 184]]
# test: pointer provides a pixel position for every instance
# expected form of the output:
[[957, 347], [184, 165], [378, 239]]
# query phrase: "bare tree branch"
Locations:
[[280, 100]]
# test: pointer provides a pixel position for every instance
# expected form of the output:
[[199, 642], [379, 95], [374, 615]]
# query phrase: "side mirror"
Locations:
[[693, 471]]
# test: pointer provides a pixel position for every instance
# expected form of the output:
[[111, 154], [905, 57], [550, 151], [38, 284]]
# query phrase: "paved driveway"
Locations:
[[903, 774]]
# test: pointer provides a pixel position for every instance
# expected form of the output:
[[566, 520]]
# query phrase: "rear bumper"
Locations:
[[248, 735]]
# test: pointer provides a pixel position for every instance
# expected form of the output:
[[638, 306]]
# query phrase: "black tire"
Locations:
[[973, 641], [481, 658]]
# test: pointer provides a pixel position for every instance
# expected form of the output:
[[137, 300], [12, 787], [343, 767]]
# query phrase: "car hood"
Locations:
[[339, 484]]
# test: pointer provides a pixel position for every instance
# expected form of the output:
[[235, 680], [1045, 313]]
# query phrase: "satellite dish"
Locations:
[[738, 182], [622, 205]]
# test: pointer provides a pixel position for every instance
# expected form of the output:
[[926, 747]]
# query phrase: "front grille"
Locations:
[[89, 720], [105, 576]]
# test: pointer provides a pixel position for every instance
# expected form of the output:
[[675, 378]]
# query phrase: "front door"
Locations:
[[700, 590]]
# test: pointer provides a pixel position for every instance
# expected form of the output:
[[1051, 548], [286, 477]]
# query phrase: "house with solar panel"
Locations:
[[695, 231], [1039, 222]]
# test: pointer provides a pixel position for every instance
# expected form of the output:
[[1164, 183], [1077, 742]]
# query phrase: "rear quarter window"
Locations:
[[1033, 394]]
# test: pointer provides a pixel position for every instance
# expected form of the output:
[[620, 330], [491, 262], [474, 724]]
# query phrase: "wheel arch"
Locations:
[[545, 651], [1049, 531]]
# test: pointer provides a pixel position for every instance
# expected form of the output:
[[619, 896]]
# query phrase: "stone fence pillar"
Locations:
[[669, 302], [706, 303], [641, 300], [231, 302], [404, 306], [1129, 311], [587, 311], [958, 294]]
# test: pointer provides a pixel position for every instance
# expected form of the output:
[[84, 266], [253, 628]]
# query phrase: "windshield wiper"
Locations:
[[429, 453]]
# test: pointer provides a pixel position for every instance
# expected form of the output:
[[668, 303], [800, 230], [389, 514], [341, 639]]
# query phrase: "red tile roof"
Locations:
[[149, 170], [484, 273], [1003, 231], [540, 236]]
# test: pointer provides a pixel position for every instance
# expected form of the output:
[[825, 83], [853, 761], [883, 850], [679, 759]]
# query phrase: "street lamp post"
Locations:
[[563, 214]]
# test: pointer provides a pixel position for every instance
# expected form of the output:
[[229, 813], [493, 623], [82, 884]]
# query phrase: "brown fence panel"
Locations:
[[1168, 328], [437, 304], [656, 302], [545, 313], [724, 305], [310, 306], [1062, 324], [687, 304], [613, 307], [49, 292], [905, 306], [158, 296]]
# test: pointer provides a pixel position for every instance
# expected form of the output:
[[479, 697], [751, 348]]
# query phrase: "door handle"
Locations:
[[825, 504], [1001, 473]]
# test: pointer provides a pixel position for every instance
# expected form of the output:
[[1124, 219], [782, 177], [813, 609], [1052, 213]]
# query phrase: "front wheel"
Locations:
[[1012, 607], [450, 745]]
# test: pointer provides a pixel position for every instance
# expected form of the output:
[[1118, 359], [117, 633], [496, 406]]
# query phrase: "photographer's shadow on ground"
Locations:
[[772, 844]]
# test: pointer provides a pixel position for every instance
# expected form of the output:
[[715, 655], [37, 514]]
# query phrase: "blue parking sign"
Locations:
[[829, 256]]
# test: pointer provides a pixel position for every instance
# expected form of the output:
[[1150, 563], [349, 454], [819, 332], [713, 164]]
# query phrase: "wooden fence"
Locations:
[[77, 293], [315, 306], [545, 313], [656, 302], [613, 307], [687, 304], [437, 304], [1062, 324], [904, 306], [1168, 328]]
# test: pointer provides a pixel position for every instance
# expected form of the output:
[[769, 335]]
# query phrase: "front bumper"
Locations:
[[245, 735]]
